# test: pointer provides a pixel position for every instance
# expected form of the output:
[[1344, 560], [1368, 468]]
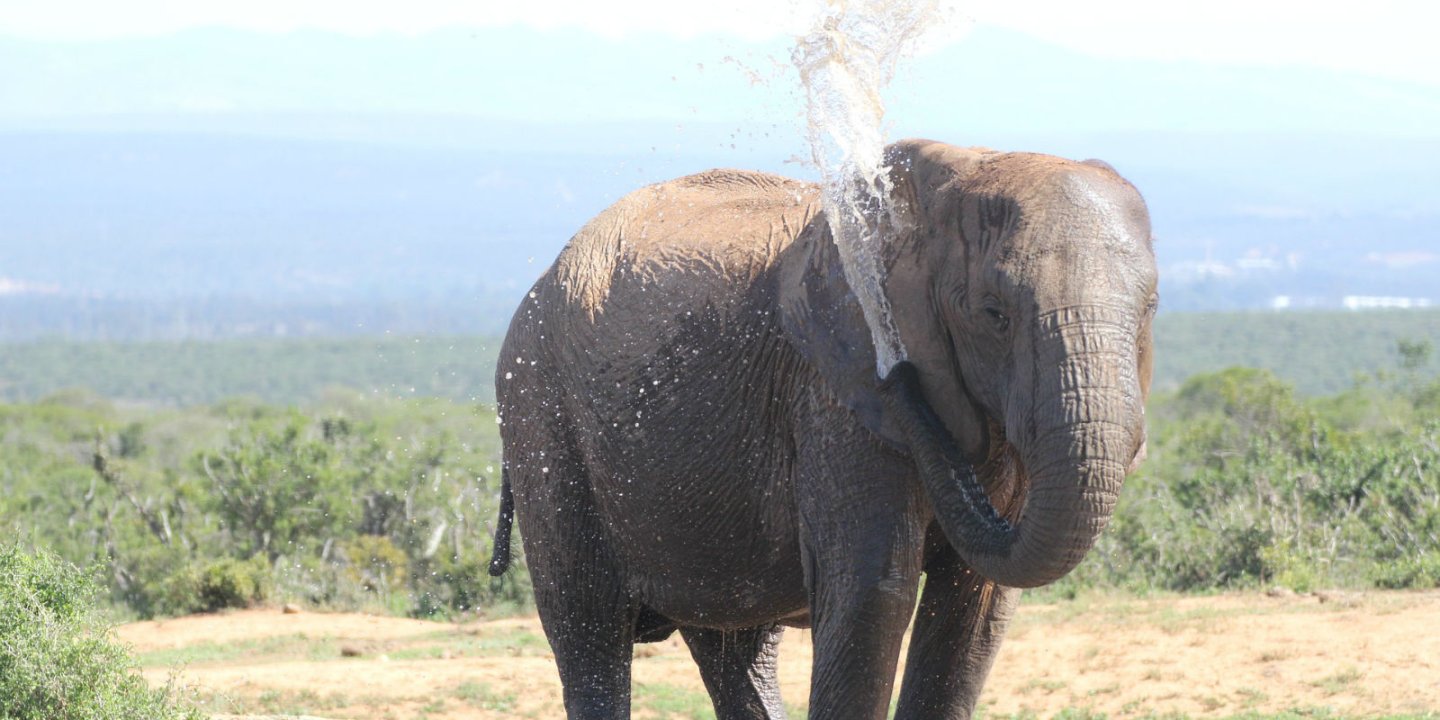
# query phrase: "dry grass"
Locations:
[[1121, 656]]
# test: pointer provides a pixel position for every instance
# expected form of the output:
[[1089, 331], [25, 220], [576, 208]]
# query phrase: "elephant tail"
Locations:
[[500, 560]]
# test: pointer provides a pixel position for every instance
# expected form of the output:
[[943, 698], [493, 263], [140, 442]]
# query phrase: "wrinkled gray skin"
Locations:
[[696, 439]]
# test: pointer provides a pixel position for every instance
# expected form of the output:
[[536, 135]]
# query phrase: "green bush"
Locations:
[[376, 564], [463, 585], [363, 504], [1248, 484], [1421, 570], [231, 583], [57, 662]]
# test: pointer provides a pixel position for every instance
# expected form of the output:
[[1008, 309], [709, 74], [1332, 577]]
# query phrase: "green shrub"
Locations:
[[1288, 567], [364, 504], [231, 583], [207, 587], [1413, 571], [1249, 484], [464, 586], [376, 564], [57, 662]]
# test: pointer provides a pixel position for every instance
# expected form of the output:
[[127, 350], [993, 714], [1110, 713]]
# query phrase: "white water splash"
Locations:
[[847, 58]]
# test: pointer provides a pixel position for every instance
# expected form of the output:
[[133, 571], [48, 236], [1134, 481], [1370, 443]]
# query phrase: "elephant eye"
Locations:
[[1152, 305], [997, 316]]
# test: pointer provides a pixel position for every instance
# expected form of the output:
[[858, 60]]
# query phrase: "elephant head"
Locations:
[[1023, 287]]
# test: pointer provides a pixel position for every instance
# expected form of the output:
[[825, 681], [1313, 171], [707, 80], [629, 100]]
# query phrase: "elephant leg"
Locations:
[[592, 641], [588, 618], [580, 590], [958, 628], [859, 615], [738, 668], [863, 526]]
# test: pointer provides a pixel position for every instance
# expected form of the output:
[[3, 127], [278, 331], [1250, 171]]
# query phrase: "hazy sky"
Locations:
[[1389, 38]]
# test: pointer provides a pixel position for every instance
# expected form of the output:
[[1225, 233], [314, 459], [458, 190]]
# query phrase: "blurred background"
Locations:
[[255, 258]]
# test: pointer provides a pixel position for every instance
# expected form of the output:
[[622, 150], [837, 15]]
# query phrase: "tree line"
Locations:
[[1317, 352]]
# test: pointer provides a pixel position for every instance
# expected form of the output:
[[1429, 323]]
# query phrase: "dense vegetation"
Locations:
[[1317, 352], [360, 499], [355, 502], [1248, 483], [56, 660]]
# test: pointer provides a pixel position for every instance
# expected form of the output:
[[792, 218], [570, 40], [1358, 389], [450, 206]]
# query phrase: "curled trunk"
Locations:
[[1075, 463]]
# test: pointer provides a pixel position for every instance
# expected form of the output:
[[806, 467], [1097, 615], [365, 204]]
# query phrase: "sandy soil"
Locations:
[[1357, 654]]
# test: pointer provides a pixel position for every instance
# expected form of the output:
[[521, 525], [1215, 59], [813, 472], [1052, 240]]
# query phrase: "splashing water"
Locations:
[[846, 59]]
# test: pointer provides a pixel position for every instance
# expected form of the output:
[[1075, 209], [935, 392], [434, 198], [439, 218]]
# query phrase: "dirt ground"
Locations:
[[1354, 654]]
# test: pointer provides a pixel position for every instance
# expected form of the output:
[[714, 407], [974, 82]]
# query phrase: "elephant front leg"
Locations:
[[860, 615], [739, 670], [958, 628], [862, 524]]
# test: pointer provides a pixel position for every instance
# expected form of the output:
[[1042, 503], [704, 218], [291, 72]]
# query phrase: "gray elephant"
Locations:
[[696, 439]]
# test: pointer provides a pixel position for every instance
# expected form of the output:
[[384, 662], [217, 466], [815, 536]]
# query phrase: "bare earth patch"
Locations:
[[1356, 654]]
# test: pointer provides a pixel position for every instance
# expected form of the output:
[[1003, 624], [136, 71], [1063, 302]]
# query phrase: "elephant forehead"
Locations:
[[1079, 231]]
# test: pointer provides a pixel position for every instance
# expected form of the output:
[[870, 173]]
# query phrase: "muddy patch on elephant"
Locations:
[[1356, 654]]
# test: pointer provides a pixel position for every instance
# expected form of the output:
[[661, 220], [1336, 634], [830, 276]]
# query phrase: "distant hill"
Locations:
[[220, 182], [173, 235]]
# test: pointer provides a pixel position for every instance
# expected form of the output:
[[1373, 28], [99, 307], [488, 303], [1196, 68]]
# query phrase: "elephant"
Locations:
[[695, 437]]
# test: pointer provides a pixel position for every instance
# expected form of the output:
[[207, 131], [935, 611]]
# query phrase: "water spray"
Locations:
[[845, 60]]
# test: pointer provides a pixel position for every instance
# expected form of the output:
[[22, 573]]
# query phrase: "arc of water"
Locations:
[[845, 61]]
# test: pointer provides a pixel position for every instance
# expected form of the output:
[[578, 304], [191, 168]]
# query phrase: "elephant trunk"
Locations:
[[1087, 428]]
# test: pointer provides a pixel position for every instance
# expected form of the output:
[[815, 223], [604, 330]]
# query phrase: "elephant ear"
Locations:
[[822, 319]]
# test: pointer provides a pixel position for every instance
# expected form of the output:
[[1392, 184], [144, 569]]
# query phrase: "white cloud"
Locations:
[[11, 286]]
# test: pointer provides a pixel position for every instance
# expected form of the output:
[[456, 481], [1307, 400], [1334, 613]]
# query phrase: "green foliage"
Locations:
[[275, 488], [1249, 484], [1409, 571], [376, 564], [354, 503], [231, 583], [56, 661], [358, 500]]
